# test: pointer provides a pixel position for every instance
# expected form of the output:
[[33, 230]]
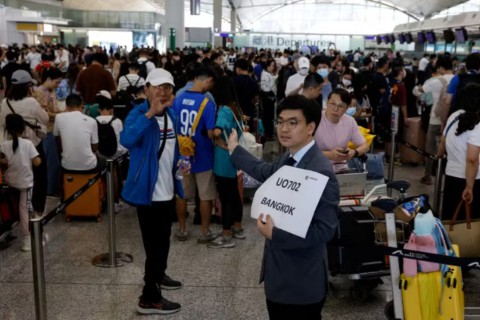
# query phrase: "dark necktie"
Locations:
[[290, 162]]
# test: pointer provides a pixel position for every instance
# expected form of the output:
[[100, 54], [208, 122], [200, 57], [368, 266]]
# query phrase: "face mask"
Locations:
[[303, 71], [346, 82], [323, 72]]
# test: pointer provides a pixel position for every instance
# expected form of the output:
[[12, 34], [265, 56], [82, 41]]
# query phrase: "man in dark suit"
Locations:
[[295, 270]]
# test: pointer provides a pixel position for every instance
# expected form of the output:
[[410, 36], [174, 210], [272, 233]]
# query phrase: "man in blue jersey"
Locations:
[[187, 106]]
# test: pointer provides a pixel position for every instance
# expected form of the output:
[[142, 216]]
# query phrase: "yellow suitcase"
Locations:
[[453, 300], [423, 298], [421, 295]]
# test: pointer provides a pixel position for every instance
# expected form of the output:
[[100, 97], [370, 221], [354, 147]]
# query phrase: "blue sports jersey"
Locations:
[[186, 106]]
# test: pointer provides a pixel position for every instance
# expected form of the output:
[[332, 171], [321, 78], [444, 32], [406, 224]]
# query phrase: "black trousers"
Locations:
[[268, 114], [39, 191], [280, 311], [155, 224], [232, 207]]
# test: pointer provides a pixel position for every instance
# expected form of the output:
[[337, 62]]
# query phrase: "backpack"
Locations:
[[107, 139], [440, 110], [128, 95], [248, 141], [429, 236], [142, 69]]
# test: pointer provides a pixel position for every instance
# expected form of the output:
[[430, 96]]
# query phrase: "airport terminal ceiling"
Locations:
[[264, 15], [247, 10]]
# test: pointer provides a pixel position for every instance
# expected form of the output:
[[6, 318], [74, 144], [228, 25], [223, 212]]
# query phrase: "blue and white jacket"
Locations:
[[141, 137]]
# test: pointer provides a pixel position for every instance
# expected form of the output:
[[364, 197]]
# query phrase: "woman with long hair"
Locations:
[[229, 117], [46, 96], [461, 141], [68, 85]]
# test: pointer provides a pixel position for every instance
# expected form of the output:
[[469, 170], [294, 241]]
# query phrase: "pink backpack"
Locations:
[[428, 236]]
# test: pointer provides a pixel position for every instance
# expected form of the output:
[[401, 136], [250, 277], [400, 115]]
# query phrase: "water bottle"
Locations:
[[184, 163]]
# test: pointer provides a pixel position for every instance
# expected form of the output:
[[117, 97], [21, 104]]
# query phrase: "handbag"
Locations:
[[248, 141], [464, 233], [38, 128]]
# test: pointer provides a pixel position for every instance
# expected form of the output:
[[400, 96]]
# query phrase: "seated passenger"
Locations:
[[336, 129], [77, 137]]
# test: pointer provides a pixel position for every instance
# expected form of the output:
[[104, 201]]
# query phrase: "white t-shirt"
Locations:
[[422, 65], [78, 132], [435, 86], [34, 58], [117, 127], [62, 57], [294, 82], [164, 189], [457, 146], [19, 173], [133, 78], [148, 64]]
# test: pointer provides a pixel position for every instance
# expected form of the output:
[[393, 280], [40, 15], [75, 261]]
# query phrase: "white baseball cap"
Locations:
[[159, 76], [104, 93], [303, 63]]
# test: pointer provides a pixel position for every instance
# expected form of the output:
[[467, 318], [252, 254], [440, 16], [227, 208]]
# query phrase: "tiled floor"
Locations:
[[219, 284]]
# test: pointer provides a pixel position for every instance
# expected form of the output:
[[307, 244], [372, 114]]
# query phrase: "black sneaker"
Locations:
[[162, 307], [170, 284]]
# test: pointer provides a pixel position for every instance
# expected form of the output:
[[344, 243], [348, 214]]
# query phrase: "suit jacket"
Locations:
[[295, 270]]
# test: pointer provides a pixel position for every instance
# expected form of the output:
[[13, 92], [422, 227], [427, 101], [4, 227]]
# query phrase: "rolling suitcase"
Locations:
[[89, 204], [413, 134], [453, 299], [433, 295], [356, 229]]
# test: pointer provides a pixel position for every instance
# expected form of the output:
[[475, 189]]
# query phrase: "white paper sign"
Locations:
[[290, 196]]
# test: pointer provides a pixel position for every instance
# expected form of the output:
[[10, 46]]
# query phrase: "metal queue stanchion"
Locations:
[[394, 125], [112, 259], [38, 269], [437, 193], [36, 231]]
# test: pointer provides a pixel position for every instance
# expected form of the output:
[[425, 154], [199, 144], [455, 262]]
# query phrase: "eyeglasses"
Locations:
[[290, 124], [163, 87], [339, 106]]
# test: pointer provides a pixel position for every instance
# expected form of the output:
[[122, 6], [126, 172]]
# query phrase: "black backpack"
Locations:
[[142, 69], [127, 95], [107, 139]]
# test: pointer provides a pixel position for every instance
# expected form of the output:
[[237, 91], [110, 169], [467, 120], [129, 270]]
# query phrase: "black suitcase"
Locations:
[[351, 250]]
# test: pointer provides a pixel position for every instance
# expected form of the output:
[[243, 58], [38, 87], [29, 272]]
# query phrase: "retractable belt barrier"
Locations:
[[418, 150], [464, 262], [58, 209], [111, 259]]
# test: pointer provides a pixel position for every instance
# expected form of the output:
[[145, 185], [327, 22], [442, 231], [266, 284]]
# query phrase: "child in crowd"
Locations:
[[105, 105], [20, 154]]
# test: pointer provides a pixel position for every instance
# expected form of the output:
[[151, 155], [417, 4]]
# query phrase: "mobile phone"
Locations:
[[346, 151]]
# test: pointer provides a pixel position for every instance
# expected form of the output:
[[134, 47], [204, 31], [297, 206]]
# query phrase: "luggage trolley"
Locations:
[[365, 269]]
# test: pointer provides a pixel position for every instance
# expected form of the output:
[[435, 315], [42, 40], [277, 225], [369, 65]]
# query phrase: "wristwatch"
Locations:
[[356, 153]]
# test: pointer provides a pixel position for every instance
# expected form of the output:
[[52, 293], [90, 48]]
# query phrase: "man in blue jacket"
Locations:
[[149, 134], [294, 269]]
